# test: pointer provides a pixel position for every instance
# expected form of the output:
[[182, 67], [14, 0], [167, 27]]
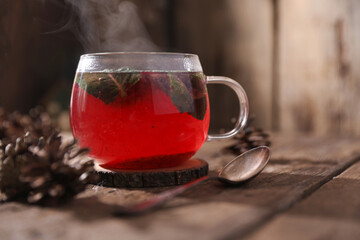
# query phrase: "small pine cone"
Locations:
[[249, 138], [15, 124], [12, 159], [41, 123], [38, 171]]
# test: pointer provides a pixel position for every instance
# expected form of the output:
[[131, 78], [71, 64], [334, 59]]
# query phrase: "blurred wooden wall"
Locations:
[[297, 59], [319, 59], [36, 58]]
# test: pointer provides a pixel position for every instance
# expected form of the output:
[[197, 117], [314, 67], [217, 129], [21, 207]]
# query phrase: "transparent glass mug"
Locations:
[[144, 110]]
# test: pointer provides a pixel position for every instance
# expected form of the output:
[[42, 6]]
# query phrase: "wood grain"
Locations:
[[212, 211]]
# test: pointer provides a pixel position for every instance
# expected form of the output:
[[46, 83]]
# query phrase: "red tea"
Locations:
[[140, 120]]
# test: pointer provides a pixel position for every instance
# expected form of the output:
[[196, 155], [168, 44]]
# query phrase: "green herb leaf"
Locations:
[[198, 85], [192, 100], [199, 94], [107, 86], [180, 95]]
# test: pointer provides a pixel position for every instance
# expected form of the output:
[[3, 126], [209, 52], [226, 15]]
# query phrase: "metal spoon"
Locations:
[[240, 169]]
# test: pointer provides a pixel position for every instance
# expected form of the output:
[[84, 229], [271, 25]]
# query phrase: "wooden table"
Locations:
[[309, 190]]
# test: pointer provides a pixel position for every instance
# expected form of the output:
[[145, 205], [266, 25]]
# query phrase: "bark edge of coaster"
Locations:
[[184, 173]]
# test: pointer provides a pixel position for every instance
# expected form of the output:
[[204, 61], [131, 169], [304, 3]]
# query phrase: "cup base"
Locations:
[[181, 174], [155, 162]]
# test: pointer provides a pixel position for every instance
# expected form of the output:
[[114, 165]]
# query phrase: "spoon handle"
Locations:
[[159, 199]]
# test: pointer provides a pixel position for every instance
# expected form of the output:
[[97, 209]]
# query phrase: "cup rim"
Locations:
[[136, 53]]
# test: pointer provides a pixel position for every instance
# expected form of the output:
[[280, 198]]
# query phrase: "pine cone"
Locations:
[[250, 137], [15, 124], [39, 171]]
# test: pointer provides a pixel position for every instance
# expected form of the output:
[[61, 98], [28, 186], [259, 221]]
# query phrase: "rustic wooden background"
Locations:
[[297, 59]]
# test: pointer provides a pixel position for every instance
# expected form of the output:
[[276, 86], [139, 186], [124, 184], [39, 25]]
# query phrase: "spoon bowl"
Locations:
[[245, 166]]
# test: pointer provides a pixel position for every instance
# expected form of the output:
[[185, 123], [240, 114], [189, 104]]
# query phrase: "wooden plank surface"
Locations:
[[299, 166], [332, 212]]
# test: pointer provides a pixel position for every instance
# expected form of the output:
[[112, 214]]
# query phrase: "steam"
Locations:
[[111, 25]]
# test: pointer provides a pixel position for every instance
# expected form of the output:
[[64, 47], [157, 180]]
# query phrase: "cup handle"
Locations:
[[244, 107]]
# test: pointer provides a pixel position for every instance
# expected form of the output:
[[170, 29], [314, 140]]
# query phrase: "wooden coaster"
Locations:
[[186, 172]]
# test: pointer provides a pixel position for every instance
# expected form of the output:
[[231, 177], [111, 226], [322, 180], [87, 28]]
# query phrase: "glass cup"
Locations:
[[144, 110]]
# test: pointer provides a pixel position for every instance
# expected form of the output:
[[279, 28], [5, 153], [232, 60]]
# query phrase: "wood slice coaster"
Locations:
[[186, 172]]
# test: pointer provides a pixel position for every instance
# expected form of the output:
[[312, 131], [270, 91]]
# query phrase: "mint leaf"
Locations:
[[198, 85], [107, 86], [199, 91], [180, 95], [189, 95]]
